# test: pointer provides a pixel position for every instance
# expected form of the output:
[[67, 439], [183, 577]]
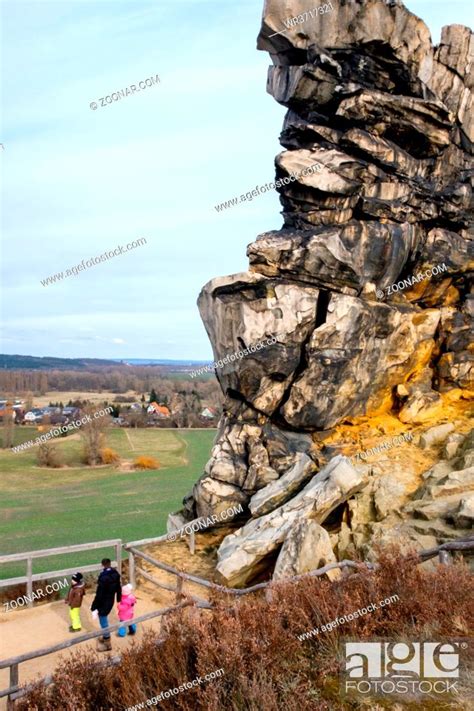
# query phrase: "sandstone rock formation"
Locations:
[[360, 328], [241, 553]]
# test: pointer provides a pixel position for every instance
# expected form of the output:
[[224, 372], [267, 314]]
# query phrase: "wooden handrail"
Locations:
[[44, 651], [170, 588], [464, 544], [47, 552], [194, 579]]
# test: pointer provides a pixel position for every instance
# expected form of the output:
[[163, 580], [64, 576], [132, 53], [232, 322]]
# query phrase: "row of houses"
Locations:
[[162, 411], [38, 415], [64, 415]]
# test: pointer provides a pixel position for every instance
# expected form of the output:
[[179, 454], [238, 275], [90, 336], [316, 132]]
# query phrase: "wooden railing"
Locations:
[[14, 691], [31, 577], [464, 545]]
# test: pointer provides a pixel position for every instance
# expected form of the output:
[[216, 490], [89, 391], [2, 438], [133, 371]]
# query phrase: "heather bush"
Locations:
[[256, 641]]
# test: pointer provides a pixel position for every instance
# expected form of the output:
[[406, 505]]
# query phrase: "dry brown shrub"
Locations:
[[146, 463], [256, 642], [49, 455], [109, 456]]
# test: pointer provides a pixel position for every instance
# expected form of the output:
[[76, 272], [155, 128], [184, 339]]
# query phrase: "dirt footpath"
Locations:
[[46, 624], [25, 630]]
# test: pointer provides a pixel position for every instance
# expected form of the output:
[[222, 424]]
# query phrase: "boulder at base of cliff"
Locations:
[[307, 547], [241, 553]]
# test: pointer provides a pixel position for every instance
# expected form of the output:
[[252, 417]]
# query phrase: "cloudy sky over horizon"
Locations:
[[78, 182]]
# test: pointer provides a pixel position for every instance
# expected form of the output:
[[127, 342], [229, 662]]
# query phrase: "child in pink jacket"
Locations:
[[125, 610]]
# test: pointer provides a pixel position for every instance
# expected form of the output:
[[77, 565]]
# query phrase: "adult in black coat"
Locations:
[[109, 586]]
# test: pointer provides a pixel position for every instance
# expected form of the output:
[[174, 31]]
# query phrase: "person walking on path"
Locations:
[[74, 600], [108, 586], [125, 610]]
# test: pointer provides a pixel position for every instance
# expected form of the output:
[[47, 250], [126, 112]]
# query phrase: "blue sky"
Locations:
[[77, 182]]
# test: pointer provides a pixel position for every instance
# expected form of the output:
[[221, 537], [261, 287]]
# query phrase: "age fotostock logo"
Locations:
[[402, 667]]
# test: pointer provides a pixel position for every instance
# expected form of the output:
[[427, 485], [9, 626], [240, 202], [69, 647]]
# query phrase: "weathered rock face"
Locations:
[[355, 317], [440, 510]]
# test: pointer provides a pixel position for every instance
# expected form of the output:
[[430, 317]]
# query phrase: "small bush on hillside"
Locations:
[[49, 455], [109, 456], [146, 463]]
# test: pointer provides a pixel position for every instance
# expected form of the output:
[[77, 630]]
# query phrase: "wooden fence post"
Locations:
[[131, 569], [14, 681], [118, 556], [29, 582], [192, 542], [179, 588], [444, 558]]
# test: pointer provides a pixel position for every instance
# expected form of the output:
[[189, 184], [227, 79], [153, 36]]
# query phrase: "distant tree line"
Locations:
[[119, 379]]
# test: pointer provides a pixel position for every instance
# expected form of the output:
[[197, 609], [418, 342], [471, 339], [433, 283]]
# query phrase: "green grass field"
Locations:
[[44, 508]]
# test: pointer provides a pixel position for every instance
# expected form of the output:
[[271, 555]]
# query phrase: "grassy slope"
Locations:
[[42, 508]]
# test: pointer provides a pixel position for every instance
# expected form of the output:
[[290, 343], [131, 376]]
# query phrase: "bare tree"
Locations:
[[93, 435], [29, 401], [49, 455], [8, 425]]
